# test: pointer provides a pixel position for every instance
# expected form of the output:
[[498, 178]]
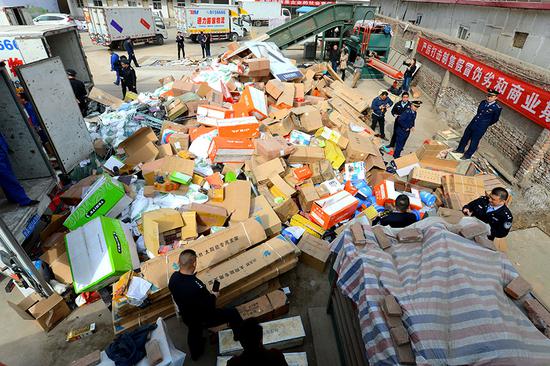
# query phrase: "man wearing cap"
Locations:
[[492, 210], [128, 78], [79, 90], [396, 111], [405, 124], [487, 114], [379, 106]]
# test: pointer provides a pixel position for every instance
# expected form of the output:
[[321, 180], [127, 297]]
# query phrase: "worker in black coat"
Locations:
[[405, 124], [128, 77], [196, 305], [129, 47], [79, 90], [180, 41], [399, 218], [488, 113], [396, 111], [493, 211]]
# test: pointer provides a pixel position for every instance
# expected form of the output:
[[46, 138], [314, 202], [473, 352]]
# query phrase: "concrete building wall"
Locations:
[[491, 27], [517, 140]]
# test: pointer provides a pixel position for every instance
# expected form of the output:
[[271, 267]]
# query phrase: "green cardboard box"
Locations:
[[99, 252], [101, 199]]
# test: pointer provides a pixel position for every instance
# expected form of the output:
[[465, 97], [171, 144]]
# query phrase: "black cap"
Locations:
[[124, 61], [416, 103], [70, 72], [384, 93], [492, 92]]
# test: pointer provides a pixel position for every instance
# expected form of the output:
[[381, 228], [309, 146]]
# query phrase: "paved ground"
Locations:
[[24, 343]]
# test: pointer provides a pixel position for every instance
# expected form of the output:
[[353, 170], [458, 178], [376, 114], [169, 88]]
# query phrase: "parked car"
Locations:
[[54, 18]]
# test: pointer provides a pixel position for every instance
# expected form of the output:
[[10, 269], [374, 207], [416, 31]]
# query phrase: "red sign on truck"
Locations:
[[524, 98]]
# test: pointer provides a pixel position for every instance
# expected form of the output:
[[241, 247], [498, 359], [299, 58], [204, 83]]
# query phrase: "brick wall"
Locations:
[[541, 173]]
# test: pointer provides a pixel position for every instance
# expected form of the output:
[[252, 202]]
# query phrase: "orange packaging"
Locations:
[[254, 101], [208, 113], [350, 188], [385, 192], [243, 127], [199, 131], [215, 180], [333, 209], [230, 150], [302, 173]]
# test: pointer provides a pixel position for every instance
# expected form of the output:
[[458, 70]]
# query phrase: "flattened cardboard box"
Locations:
[[140, 147], [265, 170], [237, 200], [157, 222], [211, 250]]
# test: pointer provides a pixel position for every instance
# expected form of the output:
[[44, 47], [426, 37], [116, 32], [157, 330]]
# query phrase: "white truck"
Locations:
[[22, 45], [261, 12], [110, 26], [220, 21], [15, 15]]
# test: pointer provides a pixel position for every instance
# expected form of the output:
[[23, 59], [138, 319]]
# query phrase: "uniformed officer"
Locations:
[[128, 77], [487, 114], [79, 90], [197, 306], [379, 106], [405, 124], [396, 111], [493, 211], [399, 218]]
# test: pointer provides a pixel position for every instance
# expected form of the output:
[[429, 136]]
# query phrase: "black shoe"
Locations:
[[458, 152], [464, 157], [383, 138], [31, 203]]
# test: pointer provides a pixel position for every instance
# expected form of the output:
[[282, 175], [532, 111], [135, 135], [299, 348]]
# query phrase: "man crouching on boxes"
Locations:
[[492, 210]]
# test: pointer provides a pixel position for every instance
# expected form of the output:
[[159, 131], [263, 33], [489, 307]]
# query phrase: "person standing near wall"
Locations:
[[344, 62], [129, 47], [488, 113], [409, 74], [79, 90], [181, 46], [358, 68], [405, 124], [379, 106]]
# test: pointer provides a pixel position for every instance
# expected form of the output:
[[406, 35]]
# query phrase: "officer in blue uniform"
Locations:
[[379, 106], [405, 124], [493, 211], [396, 111], [9, 183], [488, 114]]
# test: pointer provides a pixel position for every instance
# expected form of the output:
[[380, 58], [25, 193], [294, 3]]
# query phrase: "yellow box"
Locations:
[[311, 227]]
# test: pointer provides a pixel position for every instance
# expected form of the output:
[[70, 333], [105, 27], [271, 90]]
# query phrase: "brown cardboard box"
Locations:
[[73, 195], [306, 154], [450, 215], [405, 164], [166, 80], [282, 127], [175, 109], [266, 307], [263, 171], [274, 88], [207, 215], [180, 87], [299, 92], [274, 147], [140, 147], [322, 171], [426, 177], [430, 162], [262, 210], [258, 67], [211, 250], [306, 195], [165, 150], [166, 221], [282, 186], [237, 200], [47, 312], [203, 90], [462, 184], [105, 98], [430, 150], [315, 251], [362, 148], [287, 96], [309, 118], [166, 165], [179, 141]]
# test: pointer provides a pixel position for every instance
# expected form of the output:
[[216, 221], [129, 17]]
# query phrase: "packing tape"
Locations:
[[246, 233], [278, 255]]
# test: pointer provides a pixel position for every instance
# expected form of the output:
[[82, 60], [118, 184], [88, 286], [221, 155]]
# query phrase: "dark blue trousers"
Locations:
[[471, 135], [10, 185], [401, 137]]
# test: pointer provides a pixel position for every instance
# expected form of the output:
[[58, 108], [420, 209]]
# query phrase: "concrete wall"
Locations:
[[490, 27], [515, 137], [36, 7]]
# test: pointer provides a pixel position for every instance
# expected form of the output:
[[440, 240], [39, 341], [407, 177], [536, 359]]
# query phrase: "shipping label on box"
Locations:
[[334, 209]]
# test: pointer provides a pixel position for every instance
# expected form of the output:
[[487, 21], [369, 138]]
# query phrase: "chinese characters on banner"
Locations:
[[210, 20], [306, 2], [524, 98]]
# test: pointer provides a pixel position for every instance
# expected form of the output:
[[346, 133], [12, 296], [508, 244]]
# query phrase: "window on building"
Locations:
[[157, 5], [180, 3], [80, 3], [132, 3], [418, 18], [98, 3], [463, 32], [519, 39]]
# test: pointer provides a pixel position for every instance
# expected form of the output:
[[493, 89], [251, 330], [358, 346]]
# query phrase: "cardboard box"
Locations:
[[362, 148], [209, 114], [99, 252], [254, 101], [321, 171], [274, 88], [105, 98], [450, 166], [237, 200], [207, 215], [332, 135], [262, 211], [308, 225], [274, 147], [282, 186], [105, 197], [230, 150], [258, 67], [286, 99], [165, 150], [175, 109], [315, 251], [179, 142], [406, 164], [333, 209], [266, 307], [426, 177], [46, 312], [450, 215], [309, 118], [166, 225], [286, 209], [306, 154], [387, 191], [282, 126], [263, 171], [334, 154], [307, 194], [462, 184], [211, 250], [430, 150], [243, 127], [140, 147], [165, 166]]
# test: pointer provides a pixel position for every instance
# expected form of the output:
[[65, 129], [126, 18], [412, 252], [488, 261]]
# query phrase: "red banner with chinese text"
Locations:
[[306, 2], [524, 98]]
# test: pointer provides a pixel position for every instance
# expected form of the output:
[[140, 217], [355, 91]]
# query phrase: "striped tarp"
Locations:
[[451, 293]]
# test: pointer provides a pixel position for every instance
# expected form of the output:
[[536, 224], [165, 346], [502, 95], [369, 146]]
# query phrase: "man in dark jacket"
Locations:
[[197, 306], [181, 46], [399, 218], [334, 56], [201, 38], [129, 47], [379, 106], [493, 211], [487, 115], [396, 111], [405, 124], [409, 74], [128, 78], [79, 90], [207, 44]]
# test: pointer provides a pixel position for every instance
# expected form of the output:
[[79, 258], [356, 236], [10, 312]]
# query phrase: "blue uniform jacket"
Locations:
[[377, 103], [487, 114], [406, 119], [114, 64], [399, 108]]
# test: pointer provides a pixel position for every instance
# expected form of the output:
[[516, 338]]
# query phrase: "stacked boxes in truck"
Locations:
[[22, 45], [109, 27], [220, 21]]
